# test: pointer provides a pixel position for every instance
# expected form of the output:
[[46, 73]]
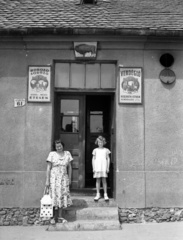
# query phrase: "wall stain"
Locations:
[[7, 181]]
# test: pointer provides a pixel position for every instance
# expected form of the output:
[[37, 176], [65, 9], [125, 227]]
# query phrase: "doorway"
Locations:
[[98, 122], [79, 120]]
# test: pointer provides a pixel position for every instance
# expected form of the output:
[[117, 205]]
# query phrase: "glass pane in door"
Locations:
[[96, 121], [69, 116], [70, 106], [70, 124]]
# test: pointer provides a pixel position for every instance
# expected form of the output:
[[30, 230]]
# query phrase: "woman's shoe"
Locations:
[[52, 221], [106, 197], [97, 197]]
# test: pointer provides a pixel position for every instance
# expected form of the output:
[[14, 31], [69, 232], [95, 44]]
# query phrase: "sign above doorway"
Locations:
[[85, 50]]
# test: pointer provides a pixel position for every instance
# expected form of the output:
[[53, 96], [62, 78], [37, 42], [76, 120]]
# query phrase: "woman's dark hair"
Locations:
[[57, 142]]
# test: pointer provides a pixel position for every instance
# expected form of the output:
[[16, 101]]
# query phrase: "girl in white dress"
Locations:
[[101, 164]]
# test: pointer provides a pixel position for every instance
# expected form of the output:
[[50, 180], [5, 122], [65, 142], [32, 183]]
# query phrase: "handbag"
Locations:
[[46, 210]]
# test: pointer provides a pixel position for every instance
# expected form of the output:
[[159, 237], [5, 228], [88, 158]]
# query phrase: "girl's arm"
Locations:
[[49, 166], [93, 163], [108, 163], [69, 170]]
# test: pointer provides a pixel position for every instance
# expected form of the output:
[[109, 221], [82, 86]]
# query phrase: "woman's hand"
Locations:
[[46, 190], [47, 184]]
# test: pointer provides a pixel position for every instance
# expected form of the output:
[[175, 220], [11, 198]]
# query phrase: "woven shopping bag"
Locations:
[[46, 210]]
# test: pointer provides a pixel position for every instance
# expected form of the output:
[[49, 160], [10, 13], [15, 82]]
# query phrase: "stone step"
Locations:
[[83, 225], [88, 201], [88, 191], [91, 213]]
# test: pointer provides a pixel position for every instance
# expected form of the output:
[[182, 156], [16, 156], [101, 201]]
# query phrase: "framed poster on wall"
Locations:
[[130, 85], [39, 84]]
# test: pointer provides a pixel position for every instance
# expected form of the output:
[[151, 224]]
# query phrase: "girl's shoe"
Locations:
[[106, 197], [97, 197]]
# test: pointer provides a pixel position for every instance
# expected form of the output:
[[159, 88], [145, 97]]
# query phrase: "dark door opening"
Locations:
[[98, 122]]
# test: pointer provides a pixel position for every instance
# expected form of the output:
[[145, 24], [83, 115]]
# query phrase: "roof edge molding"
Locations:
[[91, 31]]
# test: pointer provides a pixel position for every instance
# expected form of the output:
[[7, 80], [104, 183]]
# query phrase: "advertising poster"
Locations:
[[39, 83], [130, 85]]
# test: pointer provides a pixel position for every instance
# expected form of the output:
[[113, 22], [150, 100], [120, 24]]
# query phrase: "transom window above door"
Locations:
[[85, 75]]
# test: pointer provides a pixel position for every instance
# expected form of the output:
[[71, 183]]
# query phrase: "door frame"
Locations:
[[72, 94]]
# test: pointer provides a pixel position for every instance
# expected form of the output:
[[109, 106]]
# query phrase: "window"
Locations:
[[79, 75], [69, 115]]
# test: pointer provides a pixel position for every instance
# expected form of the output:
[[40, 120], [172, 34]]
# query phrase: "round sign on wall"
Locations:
[[167, 76]]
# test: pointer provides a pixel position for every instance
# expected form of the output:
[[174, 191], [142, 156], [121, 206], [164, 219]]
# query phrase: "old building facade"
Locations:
[[86, 94]]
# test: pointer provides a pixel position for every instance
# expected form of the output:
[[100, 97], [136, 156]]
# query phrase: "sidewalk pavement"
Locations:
[[145, 231]]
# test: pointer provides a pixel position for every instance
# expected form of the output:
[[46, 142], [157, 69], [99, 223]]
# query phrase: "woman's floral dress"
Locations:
[[59, 180]]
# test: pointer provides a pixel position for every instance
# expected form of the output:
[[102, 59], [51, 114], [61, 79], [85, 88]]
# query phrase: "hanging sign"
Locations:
[[130, 85], [39, 83]]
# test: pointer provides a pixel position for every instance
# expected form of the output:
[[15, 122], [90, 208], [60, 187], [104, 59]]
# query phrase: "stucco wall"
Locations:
[[26, 132], [163, 133], [149, 149], [149, 155]]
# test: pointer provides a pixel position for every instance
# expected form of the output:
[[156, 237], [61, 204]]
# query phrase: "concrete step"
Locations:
[[88, 201], [91, 213], [83, 225], [86, 214]]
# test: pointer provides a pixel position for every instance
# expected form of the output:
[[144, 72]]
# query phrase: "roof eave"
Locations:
[[93, 31]]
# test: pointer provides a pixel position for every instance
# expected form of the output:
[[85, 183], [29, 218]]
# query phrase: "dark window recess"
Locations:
[[166, 60], [88, 1]]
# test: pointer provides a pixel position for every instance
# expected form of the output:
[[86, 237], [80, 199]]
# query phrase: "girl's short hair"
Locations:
[[102, 139], [57, 142]]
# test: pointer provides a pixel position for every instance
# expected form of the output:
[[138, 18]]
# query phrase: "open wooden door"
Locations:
[[69, 122]]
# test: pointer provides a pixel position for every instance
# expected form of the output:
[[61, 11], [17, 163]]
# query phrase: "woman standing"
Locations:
[[58, 179]]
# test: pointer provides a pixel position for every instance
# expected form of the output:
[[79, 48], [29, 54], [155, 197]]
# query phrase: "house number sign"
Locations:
[[19, 102]]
